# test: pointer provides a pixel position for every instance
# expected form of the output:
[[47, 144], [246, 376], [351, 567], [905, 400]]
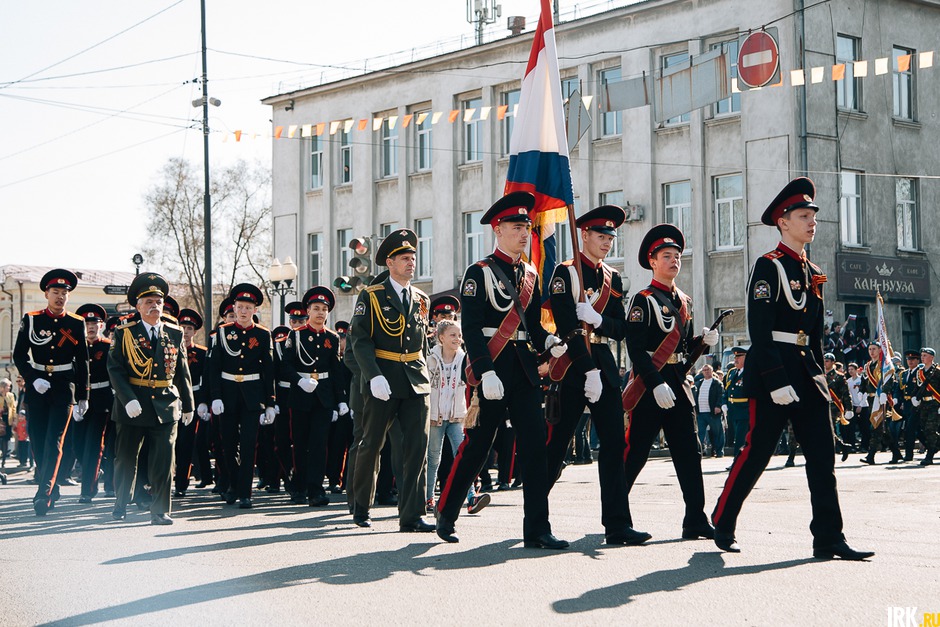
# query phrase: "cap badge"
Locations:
[[522, 210], [807, 198], [610, 223]]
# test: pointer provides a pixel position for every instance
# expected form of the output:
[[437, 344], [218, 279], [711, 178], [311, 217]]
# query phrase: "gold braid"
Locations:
[[140, 364], [391, 329]]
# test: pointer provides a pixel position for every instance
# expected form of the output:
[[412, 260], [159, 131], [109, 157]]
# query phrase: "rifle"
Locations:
[[546, 354], [698, 352]]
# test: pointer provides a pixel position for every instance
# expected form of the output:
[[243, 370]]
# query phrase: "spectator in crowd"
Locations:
[[708, 396]]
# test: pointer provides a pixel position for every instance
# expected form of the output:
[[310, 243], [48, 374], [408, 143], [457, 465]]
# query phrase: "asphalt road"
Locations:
[[284, 564]]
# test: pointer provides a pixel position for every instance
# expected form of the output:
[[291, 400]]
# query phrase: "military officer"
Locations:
[[149, 372], [187, 439], [840, 399], [874, 386], [907, 387], [501, 320], [52, 357], [296, 314], [311, 363], [588, 372], [735, 401], [928, 402], [92, 425], [242, 389], [389, 338], [658, 395], [783, 375]]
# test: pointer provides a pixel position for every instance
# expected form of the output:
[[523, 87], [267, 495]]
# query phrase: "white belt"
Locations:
[[800, 339], [238, 378], [283, 384], [100, 385], [50, 367], [316, 376], [518, 335], [196, 388]]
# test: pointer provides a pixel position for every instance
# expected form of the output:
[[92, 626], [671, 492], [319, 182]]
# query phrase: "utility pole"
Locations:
[[207, 201]]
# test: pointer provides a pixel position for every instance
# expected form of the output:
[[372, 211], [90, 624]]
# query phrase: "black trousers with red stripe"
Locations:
[[607, 417], [310, 430], [185, 446], [49, 418], [678, 425], [93, 429], [523, 402], [813, 430]]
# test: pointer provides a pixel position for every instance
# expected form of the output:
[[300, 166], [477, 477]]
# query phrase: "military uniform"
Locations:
[[214, 432], [907, 388], [93, 427], [281, 456], [341, 429], [928, 393], [149, 373], [840, 406], [736, 401], [242, 387], [188, 442], [51, 354], [878, 433]]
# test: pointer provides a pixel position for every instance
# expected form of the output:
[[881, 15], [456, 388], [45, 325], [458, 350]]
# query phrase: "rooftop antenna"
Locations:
[[481, 13]]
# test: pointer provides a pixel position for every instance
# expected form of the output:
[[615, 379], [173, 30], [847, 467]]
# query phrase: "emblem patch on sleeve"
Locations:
[[360, 309], [470, 288], [636, 314], [558, 286], [761, 290]]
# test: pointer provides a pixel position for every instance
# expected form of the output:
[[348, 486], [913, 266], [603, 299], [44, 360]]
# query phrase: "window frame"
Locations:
[[859, 208], [613, 197], [345, 156], [903, 79], [733, 102], [608, 118], [508, 121], [423, 141], [315, 178], [719, 202], [343, 252], [472, 131], [684, 211], [388, 149], [314, 256], [850, 83], [911, 215], [424, 266], [473, 242]]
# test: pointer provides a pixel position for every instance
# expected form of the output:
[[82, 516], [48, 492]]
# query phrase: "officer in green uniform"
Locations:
[[150, 376], [389, 338], [928, 402], [840, 405], [735, 400]]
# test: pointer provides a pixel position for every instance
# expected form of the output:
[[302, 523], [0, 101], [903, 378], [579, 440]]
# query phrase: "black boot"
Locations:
[[790, 463], [869, 459], [928, 461]]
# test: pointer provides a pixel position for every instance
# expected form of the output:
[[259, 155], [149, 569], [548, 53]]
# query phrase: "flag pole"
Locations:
[[576, 261]]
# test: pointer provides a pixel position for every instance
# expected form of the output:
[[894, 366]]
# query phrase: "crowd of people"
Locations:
[[406, 405]]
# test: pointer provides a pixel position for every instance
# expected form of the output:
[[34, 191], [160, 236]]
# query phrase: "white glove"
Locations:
[[849, 415], [83, 407], [492, 386], [587, 313], [724, 408], [664, 396], [41, 385], [277, 410], [343, 409], [592, 385], [380, 388], [218, 407], [78, 414], [883, 398], [267, 417], [133, 409], [308, 385], [784, 395], [709, 337], [335, 417], [554, 344], [202, 411], [915, 401], [187, 418]]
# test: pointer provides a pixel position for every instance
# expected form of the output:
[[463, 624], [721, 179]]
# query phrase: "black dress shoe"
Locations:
[[84, 499], [119, 513], [335, 489], [388, 499], [230, 497], [244, 503], [273, 489], [726, 542], [545, 541], [841, 550], [3, 478], [41, 506], [445, 531], [627, 537], [318, 501], [362, 521], [109, 494], [203, 484], [160, 519], [179, 493], [695, 532], [845, 453], [868, 460], [298, 498], [417, 527]]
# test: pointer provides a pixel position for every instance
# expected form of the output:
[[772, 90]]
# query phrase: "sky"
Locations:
[[96, 96]]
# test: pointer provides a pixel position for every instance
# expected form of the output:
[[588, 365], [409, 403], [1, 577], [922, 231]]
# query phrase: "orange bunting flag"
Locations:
[[501, 111], [363, 124], [453, 115], [277, 131], [838, 72], [321, 127], [405, 121], [904, 63], [238, 136]]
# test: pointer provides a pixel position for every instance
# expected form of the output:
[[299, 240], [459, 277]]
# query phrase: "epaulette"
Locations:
[[128, 324], [225, 324], [76, 316], [774, 254], [263, 328], [375, 288], [35, 313], [646, 292], [104, 340], [199, 346], [567, 262], [172, 325]]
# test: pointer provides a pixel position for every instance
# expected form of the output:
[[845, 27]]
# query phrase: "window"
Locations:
[[850, 207], [424, 231], [906, 199], [677, 200], [732, 104], [729, 211], [613, 198], [316, 163], [509, 99], [848, 90], [384, 230], [343, 252], [472, 130], [423, 145], [562, 241], [569, 86], [912, 328], [612, 121], [903, 78], [345, 156], [472, 237], [313, 244], [389, 149], [669, 61]]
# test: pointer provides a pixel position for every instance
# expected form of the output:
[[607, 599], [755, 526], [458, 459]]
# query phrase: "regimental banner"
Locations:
[[861, 277]]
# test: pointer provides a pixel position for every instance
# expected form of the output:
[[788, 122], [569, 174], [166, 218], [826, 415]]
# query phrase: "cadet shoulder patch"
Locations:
[[636, 314], [761, 290], [470, 287], [360, 309], [558, 286]]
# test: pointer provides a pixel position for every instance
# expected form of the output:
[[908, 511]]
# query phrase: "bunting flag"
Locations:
[[538, 149], [880, 408]]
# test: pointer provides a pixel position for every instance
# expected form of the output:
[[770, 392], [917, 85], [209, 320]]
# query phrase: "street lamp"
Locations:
[[138, 260], [282, 278]]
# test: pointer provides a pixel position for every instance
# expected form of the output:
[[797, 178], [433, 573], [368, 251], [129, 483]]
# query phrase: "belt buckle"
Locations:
[[50, 369], [315, 376], [802, 339], [403, 357], [672, 359], [152, 382], [239, 378]]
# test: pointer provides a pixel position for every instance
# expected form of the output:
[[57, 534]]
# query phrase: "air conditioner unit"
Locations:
[[634, 213]]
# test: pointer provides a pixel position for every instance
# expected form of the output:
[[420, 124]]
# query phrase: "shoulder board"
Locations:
[[567, 262], [127, 325], [646, 292], [421, 294], [263, 328], [281, 339], [104, 340], [200, 347], [171, 325], [774, 254], [225, 324], [75, 316], [35, 313], [815, 268], [375, 288], [484, 262]]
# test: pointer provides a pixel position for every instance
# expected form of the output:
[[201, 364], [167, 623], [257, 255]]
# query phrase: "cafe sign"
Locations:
[[860, 277]]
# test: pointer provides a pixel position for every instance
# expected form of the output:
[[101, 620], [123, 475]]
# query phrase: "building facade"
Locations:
[[412, 146]]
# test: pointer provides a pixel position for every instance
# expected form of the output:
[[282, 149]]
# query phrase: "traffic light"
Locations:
[[343, 283], [361, 262]]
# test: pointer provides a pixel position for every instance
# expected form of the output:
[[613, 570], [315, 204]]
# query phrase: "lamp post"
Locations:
[[282, 278]]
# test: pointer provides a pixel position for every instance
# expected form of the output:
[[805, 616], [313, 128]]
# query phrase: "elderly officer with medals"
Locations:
[[242, 389], [93, 424], [589, 375], [501, 320], [51, 355], [783, 375], [388, 335], [658, 396], [152, 390]]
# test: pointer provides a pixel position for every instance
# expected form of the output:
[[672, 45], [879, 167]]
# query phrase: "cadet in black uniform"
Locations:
[[214, 433], [502, 367], [93, 424], [187, 440], [242, 389], [281, 459], [907, 386], [296, 314], [658, 396], [783, 375], [591, 377], [311, 363], [52, 356], [341, 429]]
